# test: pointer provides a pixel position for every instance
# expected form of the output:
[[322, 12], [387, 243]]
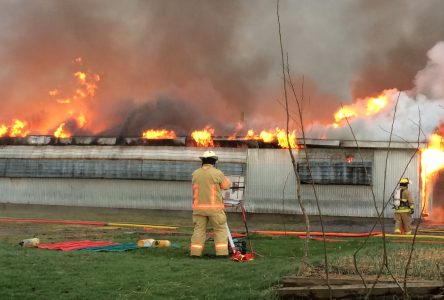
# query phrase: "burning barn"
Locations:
[[86, 134], [155, 174]]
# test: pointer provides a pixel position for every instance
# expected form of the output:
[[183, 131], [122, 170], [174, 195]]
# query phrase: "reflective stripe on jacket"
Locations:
[[207, 183]]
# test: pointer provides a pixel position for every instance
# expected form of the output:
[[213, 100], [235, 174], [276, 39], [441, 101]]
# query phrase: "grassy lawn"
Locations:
[[169, 273], [145, 273]]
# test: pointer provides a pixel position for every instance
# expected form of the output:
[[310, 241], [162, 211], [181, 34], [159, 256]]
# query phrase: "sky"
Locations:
[[183, 65]]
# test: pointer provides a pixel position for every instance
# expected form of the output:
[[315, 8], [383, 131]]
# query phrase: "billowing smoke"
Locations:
[[397, 43], [140, 49], [415, 114], [430, 80], [186, 64], [177, 116]]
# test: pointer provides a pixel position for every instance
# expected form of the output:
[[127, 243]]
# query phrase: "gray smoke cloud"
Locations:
[[430, 80], [217, 60], [401, 34], [415, 114]]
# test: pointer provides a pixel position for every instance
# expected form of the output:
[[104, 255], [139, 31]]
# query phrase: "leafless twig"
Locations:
[[305, 149], [290, 150], [417, 225], [298, 183], [381, 219], [380, 215]]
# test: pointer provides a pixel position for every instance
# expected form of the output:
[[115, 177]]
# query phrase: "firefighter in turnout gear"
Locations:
[[208, 206], [404, 207]]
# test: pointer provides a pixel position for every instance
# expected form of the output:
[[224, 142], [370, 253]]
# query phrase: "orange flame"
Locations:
[[3, 130], [432, 161], [267, 136], [203, 138], [239, 127], [81, 76], [81, 120], [345, 112], [270, 136], [376, 104], [87, 86], [365, 107], [281, 136], [84, 87], [19, 129], [59, 133], [88, 81], [159, 134], [250, 135]]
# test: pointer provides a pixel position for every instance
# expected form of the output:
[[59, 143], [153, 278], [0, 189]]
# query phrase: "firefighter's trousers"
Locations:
[[403, 220], [218, 221]]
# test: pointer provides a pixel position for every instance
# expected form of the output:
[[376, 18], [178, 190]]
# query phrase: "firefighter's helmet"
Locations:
[[404, 181], [208, 154]]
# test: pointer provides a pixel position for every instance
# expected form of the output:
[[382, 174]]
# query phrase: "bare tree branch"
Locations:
[[301, 124], [417, 225], [399, 137], [379, 216], [290, 150], [381, 219], [301, 120]]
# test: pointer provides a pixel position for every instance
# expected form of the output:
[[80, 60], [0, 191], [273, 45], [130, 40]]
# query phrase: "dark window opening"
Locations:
[[328, 172]]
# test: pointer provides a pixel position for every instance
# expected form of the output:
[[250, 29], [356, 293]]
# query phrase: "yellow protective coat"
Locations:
[[403, 218], [208, 206]]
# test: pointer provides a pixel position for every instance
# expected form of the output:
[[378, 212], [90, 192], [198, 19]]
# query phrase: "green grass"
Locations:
[[143, 273], [169, 273], [162, 273]]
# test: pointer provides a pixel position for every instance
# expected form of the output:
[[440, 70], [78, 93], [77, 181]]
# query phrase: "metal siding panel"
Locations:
[[168, 170], [235, 155], [172, 195], [398, 161], [270, 183], [112, 169], [271, 186]]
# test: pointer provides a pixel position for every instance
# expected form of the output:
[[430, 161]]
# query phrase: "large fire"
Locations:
[[365, 107], [71, 112], [203, 138], [432, 161], [274, 135], [60, 133], [18, 128], [159, 134], [69, 104]]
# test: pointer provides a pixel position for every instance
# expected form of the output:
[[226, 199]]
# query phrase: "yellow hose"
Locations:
[[141, 225], [432, 230], [411, 236]]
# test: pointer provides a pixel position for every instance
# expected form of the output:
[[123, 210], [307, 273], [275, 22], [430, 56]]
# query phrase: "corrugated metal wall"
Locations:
[[271, 184], [401, 163], [23, 185], [270, 180], [118, 152], [173, 195], [107, 168]]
